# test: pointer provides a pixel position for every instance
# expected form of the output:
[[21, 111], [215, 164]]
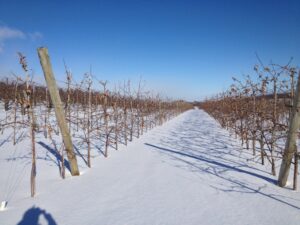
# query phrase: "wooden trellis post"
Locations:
[[290, 145], [54, 94]]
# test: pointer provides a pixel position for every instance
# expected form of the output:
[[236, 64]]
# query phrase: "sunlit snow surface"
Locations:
[[188, 171]]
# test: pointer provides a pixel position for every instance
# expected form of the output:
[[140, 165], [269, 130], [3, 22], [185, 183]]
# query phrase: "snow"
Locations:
[[187, 171]]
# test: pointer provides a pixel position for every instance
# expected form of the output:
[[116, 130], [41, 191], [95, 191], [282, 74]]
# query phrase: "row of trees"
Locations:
[[95, 117], [259, 111]]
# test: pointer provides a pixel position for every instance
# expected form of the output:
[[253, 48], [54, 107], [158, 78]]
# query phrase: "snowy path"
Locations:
[[188, 171]]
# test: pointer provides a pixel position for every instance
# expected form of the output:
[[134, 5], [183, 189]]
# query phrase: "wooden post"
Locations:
[[54, 94], [290, 145]]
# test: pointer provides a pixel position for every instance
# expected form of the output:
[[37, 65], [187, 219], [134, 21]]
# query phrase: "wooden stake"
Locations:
[[290, 145], [54, 94]]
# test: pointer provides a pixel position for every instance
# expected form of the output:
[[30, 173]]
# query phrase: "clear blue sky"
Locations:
[[186, 49]]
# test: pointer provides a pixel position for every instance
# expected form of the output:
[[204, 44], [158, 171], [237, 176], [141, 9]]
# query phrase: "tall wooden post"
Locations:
[[54, 94], [290, 145]]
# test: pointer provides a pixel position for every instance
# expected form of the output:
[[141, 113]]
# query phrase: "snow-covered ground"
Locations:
[[188, 171]]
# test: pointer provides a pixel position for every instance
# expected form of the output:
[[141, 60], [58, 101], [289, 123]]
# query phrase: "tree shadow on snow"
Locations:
[[5, 140], [80, 155], [216, 168], [215, 163], [56, 155], [32, 215]]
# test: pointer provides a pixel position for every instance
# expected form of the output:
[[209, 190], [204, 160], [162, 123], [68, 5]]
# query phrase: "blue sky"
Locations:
[[183, 49]]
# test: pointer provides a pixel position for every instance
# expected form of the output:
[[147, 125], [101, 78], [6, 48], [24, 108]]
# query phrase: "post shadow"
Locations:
[[56, 155], [213, 162], [177, 155]]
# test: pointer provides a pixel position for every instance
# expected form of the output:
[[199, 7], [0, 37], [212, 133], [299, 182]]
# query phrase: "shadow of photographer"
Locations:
[[32, 215]]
